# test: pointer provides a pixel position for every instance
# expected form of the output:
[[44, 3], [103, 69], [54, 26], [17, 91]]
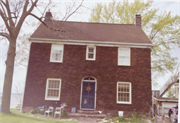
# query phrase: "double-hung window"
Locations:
[[53, 89], [124, 58], [124, 92], [90, 53], [56, 53]]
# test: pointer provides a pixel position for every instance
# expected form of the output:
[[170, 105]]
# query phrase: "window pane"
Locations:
[[124, 60], [128, 98], [123, 52], [91, 56], [56, 56], [91, 49]]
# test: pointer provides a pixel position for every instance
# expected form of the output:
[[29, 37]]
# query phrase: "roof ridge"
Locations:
[[94, 22]]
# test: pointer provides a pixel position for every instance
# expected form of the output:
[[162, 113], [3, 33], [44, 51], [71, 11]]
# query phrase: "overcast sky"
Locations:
[[20, 72]]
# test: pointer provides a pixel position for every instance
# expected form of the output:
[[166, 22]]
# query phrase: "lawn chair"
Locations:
[[50, 110], [57, 112]]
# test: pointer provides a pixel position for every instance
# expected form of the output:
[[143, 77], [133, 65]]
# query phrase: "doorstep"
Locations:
[[87, 113]]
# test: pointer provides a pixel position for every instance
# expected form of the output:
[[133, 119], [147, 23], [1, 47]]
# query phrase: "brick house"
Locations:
[[90, 66]]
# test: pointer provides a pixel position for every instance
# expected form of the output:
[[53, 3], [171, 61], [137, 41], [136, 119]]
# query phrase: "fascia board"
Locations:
[[97, 43]]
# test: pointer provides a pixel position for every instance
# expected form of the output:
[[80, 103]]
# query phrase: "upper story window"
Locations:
[[124, 56], [56, 53], [90, 53], [124, 92], [53, 89]]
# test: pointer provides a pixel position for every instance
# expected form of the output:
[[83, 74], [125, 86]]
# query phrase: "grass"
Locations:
[[17, 117]]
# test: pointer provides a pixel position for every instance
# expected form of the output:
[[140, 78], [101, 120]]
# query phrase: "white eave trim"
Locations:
[[165, 100], [96, 43]]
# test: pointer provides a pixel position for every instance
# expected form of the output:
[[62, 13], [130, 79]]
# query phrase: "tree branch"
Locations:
[[1, 2], [72, 13], [9, 13], [45, 8], [6, 35], [43, 22], [5, 20], [32, 6], [25, 6], [25, 14]]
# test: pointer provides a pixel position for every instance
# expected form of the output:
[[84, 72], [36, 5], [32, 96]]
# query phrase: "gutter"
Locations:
[[83, 42]]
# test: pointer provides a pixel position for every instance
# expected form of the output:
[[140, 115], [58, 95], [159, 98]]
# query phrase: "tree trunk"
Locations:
[[5, 107]]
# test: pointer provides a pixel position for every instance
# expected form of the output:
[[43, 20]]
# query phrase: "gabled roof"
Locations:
[[94, 32]]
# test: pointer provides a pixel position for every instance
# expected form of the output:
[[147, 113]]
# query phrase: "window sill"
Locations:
[[90, 59], [52, 99], [56, 61], [124, 103], [123, 65]]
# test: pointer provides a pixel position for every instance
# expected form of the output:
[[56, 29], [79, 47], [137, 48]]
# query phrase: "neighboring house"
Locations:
[[90, 66], [162, 103]]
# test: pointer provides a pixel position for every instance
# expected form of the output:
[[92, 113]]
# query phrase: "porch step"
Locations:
[[87, 113]]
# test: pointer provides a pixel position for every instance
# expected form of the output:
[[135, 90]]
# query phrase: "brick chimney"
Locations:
[[48, 17], [138, 20]]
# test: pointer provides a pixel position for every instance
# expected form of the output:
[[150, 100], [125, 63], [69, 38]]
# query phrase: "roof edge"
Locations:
[[85, 42], [166, 100]]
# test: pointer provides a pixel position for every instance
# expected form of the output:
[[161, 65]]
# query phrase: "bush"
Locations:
[[36, 111], [114, 114], [64, 113], [122, 119]]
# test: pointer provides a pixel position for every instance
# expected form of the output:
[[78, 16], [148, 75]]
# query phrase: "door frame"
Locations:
[[94, 92]]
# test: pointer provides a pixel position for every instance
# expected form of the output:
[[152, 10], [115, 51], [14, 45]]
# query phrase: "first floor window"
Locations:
[[53, 88], [124, 92], [56, 53]]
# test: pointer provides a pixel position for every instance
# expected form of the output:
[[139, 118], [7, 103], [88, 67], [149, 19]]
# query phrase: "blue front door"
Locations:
[[88, 95]]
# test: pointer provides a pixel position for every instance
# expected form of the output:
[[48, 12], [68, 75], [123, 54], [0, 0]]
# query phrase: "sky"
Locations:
[[20, 72]]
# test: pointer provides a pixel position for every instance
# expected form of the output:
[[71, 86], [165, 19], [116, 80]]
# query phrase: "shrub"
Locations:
[[64, 113], [114, 114], [122, 119], [36, 111]]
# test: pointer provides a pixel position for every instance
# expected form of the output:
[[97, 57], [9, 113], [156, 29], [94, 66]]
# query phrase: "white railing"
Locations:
[[163, 111], [173, 79]]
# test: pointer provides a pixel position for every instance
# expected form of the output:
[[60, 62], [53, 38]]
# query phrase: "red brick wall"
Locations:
[[75, 67]]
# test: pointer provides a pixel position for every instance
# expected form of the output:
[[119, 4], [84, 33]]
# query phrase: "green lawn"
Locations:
[[16, 117]]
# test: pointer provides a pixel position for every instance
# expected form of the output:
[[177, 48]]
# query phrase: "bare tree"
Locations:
[[13, 14]]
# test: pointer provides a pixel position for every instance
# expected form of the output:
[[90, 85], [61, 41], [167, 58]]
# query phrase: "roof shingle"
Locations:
[[122, 33]]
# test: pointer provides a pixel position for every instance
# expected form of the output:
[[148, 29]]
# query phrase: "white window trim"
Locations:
[[130, 97], [51, 60], [128, 64], [87, 51], [46, 98]]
